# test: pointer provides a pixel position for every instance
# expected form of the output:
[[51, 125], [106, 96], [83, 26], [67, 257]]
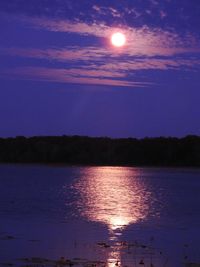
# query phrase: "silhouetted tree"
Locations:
[[102, 151]]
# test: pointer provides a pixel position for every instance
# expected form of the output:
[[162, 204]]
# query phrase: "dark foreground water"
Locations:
[[118, 215]]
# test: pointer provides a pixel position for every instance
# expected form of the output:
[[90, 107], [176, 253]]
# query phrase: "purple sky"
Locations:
[[59, 73]]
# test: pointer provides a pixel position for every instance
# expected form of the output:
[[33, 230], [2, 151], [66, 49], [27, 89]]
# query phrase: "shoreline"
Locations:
[[66, 165]]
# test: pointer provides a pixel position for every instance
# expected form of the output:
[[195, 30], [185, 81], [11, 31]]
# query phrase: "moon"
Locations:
[[118, 39]]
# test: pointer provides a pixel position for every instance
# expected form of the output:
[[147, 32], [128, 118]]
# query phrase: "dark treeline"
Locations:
[[102, 151]]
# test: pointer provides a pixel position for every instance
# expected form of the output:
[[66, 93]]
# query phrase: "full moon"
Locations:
[[118, 39]]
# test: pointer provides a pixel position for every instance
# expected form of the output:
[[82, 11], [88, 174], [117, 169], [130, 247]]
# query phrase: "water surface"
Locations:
[[119, 215]]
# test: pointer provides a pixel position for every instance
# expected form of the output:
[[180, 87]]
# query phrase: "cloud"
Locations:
[[98, 57], [70, 76], [105, 11], [182, 16], [151, 64], [94, 67], [146, 49], [144, 41], [154, 2]]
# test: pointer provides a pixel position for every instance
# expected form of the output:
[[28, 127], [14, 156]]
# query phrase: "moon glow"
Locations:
[[118, 39]]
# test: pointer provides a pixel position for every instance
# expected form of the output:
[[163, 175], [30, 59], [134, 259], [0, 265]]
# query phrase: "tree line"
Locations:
[[83, 150]]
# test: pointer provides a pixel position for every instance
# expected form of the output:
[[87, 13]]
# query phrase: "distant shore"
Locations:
[[102, 151]]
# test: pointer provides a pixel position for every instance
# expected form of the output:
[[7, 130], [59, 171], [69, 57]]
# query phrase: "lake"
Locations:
[[99, 216]]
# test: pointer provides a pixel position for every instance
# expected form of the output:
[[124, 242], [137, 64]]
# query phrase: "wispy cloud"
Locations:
[[183, 16], [101, 10], [102, 58], [140, 41], [146, 49], [70, 76]]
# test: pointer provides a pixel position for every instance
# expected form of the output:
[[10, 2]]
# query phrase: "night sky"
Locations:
[[60, 74]]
